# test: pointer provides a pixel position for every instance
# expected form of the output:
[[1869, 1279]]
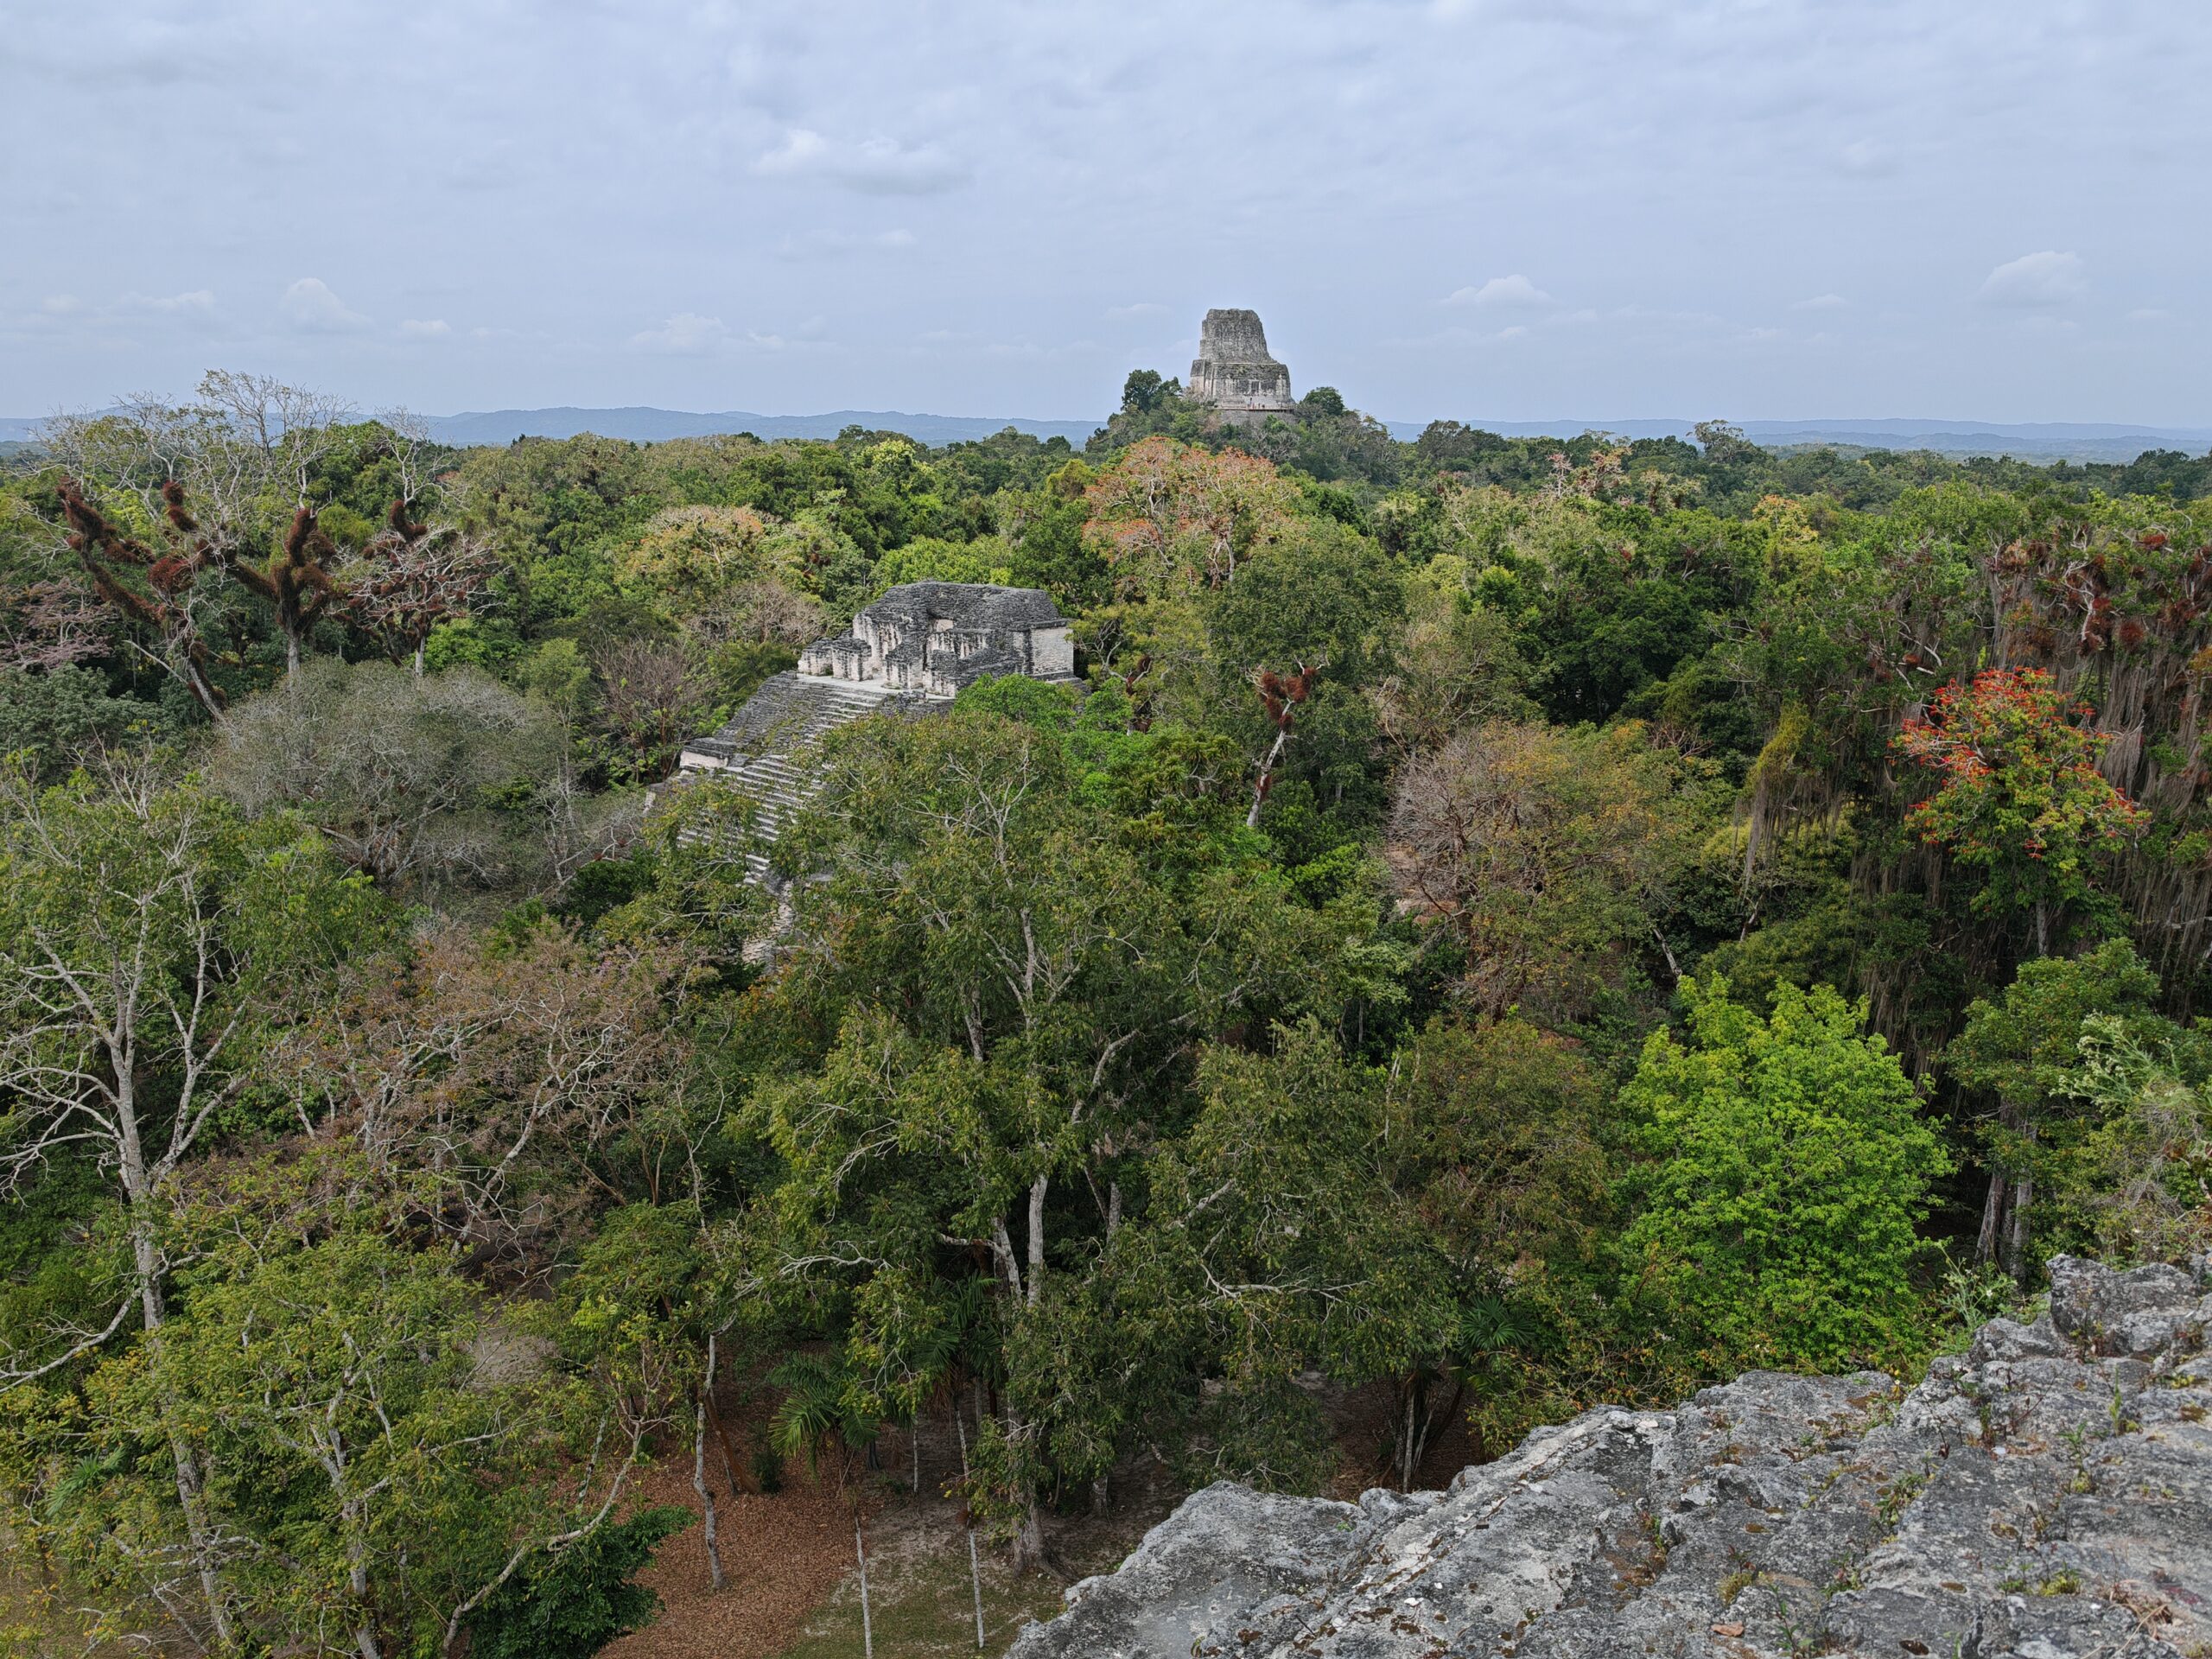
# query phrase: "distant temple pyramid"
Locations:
[[912, 651], [1234, 371]]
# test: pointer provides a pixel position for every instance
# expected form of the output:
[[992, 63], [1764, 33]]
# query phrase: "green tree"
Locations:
[[386, 1448], [1545, 851], [149, 940], [2022, 1050], [569, 1603], [1790, 1166], [58, 717], [1274, 1241], [1012, 1000], [1144, 390], [1292, 642], [2137, 1186]]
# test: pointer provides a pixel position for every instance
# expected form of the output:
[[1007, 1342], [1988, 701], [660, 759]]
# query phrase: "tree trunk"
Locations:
[[1405, 1451], [191, 1484], [1029, 1537], [867, 1624], [706, 1498], [1036, 1286], [1993, 1216], [975, 1564], [975, 1582], [291, 656], [203, 691], [2023, 1196], [721, 1431], [357, 1578], [1266, 771], [2018, 1242]]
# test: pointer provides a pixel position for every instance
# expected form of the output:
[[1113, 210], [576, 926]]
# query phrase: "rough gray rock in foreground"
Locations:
[[2047, 1493]]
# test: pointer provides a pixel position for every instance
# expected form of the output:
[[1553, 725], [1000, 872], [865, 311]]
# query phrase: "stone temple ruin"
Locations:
[[911, 651], [1234, 371]]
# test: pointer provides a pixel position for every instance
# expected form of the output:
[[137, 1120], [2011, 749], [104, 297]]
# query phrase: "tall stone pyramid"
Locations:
[[1234, 373]]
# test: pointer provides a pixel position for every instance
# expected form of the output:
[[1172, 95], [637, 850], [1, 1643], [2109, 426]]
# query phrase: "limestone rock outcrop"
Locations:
[[1235, 371], [2047, 1494]]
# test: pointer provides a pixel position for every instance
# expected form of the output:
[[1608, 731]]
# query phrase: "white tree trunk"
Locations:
[[706, 1496]]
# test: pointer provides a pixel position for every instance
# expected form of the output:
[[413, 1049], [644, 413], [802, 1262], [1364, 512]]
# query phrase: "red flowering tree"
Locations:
[[2019, 795]]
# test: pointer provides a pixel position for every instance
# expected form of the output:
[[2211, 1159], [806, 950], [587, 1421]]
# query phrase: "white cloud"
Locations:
[[875, 167], [61, 305], [424, 328], [1822, 302], [2035, 280], [2148, 313], [310, 307], [1141, 309], [685, 334], [200, 301], [1513, 293], [1516, 332]]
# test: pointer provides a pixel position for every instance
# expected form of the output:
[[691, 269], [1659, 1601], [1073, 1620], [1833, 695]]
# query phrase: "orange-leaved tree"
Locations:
[[2018, 795]]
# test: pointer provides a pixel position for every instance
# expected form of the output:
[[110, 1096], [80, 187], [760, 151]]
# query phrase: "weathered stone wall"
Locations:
[[2047, 1494], [1234, 371]]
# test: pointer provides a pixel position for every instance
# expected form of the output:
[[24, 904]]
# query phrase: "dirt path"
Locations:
[[793, 1593], [784, 1555]]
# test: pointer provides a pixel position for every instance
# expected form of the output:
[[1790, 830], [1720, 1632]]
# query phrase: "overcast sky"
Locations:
[[1511, 209]]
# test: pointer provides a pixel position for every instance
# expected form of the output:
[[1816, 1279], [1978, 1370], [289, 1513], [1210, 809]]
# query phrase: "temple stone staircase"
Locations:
[[763, 747]]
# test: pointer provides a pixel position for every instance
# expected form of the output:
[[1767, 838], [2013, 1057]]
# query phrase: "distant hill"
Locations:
[[642, 425], [656, 425], [2040, 441]]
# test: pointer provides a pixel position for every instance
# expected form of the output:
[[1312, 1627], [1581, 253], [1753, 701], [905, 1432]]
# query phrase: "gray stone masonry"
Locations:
[[933, 637], [1234, 373], [913, 650], [2046, 1494]]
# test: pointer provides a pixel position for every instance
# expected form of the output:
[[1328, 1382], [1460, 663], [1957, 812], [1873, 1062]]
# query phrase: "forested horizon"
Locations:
[[1500, 925]]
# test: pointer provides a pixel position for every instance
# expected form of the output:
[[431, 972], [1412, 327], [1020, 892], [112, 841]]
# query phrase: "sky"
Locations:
[[1502, 209]]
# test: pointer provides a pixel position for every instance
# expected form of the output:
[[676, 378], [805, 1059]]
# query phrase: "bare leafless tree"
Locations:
[[764, 611], [50, 615], [231, 475], [414, 575], [650, 697], [283, 431], [394, 770], [505, 1072]]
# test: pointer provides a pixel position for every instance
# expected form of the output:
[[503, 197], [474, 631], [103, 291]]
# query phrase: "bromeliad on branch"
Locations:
[[1281, 695]]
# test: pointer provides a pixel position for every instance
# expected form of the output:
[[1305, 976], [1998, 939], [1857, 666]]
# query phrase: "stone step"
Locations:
[[769, 743]]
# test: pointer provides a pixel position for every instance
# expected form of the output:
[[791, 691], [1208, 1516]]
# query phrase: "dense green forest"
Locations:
[[1508, 924]]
